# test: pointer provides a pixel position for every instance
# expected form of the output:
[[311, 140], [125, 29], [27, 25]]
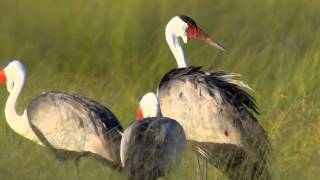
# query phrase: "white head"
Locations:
[[178, 28], [13, 75], [186, 28], [148, 106]]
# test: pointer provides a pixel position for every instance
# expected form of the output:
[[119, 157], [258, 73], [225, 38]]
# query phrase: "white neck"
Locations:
[[175, 46], [19, 123]]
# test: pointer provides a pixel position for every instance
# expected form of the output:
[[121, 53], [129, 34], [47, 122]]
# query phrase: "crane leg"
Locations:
[[77, 164], [202, 166]]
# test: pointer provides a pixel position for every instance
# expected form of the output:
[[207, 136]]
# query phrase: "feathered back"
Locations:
[[230, 89]]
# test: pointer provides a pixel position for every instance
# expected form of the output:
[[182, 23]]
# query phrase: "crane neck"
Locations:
[[176, 48], [19, 123], [10, 109]]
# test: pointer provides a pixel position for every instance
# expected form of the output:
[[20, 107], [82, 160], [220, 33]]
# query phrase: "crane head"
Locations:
[[186, 28], [148, 106], [11, 74]]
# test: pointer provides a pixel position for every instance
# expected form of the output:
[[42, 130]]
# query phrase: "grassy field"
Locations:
[[115, 51]]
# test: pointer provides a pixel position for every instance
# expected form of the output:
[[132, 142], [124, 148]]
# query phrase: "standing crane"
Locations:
[[217, 114], [70, 125], [153, 145]]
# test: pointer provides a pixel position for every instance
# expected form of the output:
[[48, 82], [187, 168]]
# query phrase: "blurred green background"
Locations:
[[115, 51]]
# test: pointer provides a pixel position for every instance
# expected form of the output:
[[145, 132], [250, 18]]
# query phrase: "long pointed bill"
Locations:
[[201, 35], [3, 78]]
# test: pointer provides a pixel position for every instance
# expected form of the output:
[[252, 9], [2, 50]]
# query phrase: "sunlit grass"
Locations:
[[115, 51]]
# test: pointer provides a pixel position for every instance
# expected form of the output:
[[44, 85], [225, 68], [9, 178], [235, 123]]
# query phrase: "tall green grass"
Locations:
[[115, 51]]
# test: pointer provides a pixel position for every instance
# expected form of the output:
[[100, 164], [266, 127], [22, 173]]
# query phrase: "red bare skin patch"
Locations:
[[193, 31], [3, 78], [140, 114]]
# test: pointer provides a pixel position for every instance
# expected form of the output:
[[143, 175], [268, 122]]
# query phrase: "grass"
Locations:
[[115, 51]]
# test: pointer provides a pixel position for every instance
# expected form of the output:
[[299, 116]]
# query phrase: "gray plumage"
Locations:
[[75, 125], [218, 118], [151, 147]]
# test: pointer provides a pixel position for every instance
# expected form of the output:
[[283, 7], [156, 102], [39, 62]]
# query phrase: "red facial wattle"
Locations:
[[3, 78], [140, 113], [195, 32]]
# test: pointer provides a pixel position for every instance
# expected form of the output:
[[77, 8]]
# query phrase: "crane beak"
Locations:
[[3, 78], [203, 36]]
